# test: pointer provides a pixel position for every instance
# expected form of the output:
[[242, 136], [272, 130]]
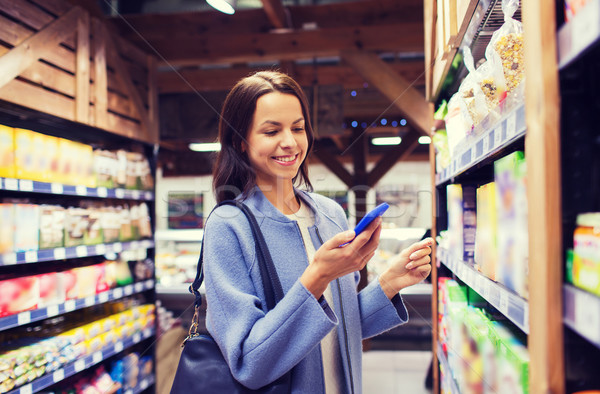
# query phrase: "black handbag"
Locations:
[[202, 367]]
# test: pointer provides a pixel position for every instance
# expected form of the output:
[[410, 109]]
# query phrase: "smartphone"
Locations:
[[368, 218]]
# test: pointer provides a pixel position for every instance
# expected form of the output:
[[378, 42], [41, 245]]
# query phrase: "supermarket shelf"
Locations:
[[26, 185], [442, 359], [81, 364], [192, 235], [494, 138], [418, 289], [579, 34], [582, 313], [36, 256], [175, 289], [27, 317], [515, 308], [144, 384]]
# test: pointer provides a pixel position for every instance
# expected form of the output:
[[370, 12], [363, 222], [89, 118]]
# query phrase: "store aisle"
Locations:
[[388, 372]]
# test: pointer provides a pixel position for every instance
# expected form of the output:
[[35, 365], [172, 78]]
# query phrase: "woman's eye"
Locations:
[[299, 129], [272, 132]]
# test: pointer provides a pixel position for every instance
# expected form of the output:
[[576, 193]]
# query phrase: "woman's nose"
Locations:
[[287, 139]]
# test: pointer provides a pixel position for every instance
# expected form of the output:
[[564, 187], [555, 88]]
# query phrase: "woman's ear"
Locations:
[[243, 146]]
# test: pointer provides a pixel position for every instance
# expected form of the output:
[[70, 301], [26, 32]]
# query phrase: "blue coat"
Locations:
[[260, 347]]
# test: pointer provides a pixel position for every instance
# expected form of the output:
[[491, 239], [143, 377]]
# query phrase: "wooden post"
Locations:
[[82, 66]]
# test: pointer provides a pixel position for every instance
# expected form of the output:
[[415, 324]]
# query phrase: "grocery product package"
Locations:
[[7, 151], [486, 250], [506, 48], [470, 90], [586, 252]]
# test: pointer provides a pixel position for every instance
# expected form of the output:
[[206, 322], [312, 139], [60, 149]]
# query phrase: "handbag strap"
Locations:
[[270, 279]]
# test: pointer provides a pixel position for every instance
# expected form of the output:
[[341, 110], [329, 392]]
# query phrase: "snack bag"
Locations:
[[470, 90], [491, 81], [506, 46]]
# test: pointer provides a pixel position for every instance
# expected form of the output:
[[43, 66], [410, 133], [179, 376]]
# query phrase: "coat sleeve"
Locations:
[[378, 313], [249, 338]]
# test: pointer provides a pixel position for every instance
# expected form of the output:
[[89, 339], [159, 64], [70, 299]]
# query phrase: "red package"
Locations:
[[18, 295]]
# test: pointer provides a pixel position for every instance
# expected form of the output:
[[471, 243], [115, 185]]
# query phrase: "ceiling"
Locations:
[[358, 61]]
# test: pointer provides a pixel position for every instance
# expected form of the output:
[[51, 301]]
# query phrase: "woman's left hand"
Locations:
[[407, 268]]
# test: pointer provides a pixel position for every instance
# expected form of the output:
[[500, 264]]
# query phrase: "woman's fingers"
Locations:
[[420, 253], [419, 262], [419, 245]]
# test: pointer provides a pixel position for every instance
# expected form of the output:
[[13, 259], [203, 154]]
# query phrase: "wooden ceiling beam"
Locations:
[[400, 91], [202, 80], [293, 45], [275, 13]]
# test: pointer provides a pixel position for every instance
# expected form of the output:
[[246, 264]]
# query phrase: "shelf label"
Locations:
[[81, 251], [31, 256], [128, 290], [117, 247], [587, 319], [148, 196], [52, 310], [56, 188], [97, 357], [59, 375], [69, 305], [511, 126], [103, 297], [25, 185], [137, 337], [26, 389], [11, 184], [135, 194], [81, 190], [102, 192], [60, 254], [497, 137], [139, 287], [503, 303], [100, 249], [89, 301], [144, 384], [118, 292], [24, 318], [149, 284], [120, 193], [79, 365], [486, 145], [118, 347], [147, 333]]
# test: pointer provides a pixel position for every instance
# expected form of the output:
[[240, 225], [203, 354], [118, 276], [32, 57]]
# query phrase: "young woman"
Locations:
[[317, 328]]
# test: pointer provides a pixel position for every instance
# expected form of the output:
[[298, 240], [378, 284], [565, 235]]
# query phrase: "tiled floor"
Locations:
[[394, 372]]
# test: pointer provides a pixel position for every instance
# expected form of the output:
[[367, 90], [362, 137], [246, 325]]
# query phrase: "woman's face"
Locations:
[[276, 142]]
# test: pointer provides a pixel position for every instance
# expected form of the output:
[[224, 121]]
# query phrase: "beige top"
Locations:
[[330, 349]]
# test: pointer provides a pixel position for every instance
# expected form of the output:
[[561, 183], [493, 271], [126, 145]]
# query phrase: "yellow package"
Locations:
[[92, 330], [7, 151], [86, 281], [93, 345], [41, 164], [24, 154], [51, 153]]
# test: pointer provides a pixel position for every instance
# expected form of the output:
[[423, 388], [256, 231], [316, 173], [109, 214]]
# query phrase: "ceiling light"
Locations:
[[386, 141], [424, 140], [205, 147], [225, 6]]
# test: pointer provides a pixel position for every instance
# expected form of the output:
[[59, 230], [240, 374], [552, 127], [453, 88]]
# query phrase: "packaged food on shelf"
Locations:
[[52, 226], [586, 252], [461, 206], [52, 289], [7, 152], [513, 233], [572, 8], [471, 91], [26, 232], [7, 239], [506, 46], [19, 294], [486, 249]]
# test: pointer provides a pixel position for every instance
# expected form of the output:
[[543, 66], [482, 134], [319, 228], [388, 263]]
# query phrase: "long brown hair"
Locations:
[[233, 174]]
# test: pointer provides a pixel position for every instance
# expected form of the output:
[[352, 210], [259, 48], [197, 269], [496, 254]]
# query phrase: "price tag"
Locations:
[[511, 126], [128, 290], [118, 292], [117, 247], [139, 287], [89, 301], [79, 365], [100, 249], [31, 256], [147, 333], [59, 375], [148, 196], [118, 347], [52, 310], [587, 319], [486, 289], [26, 389], [81, 251], [133, 245], [135, 194], [102, 192], [60, 254], [149, 284], [144, 384], [11, 184], [120, 193], [486, 145], [97, 357], [56, 188], [25, 185], [137, 337], [504, 303], [497, 137], [103, 297], [129, 391], [24, 318], [69, 305], [81, 190]]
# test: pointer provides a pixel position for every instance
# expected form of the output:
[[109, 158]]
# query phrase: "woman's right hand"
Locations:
[[332, 261]]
